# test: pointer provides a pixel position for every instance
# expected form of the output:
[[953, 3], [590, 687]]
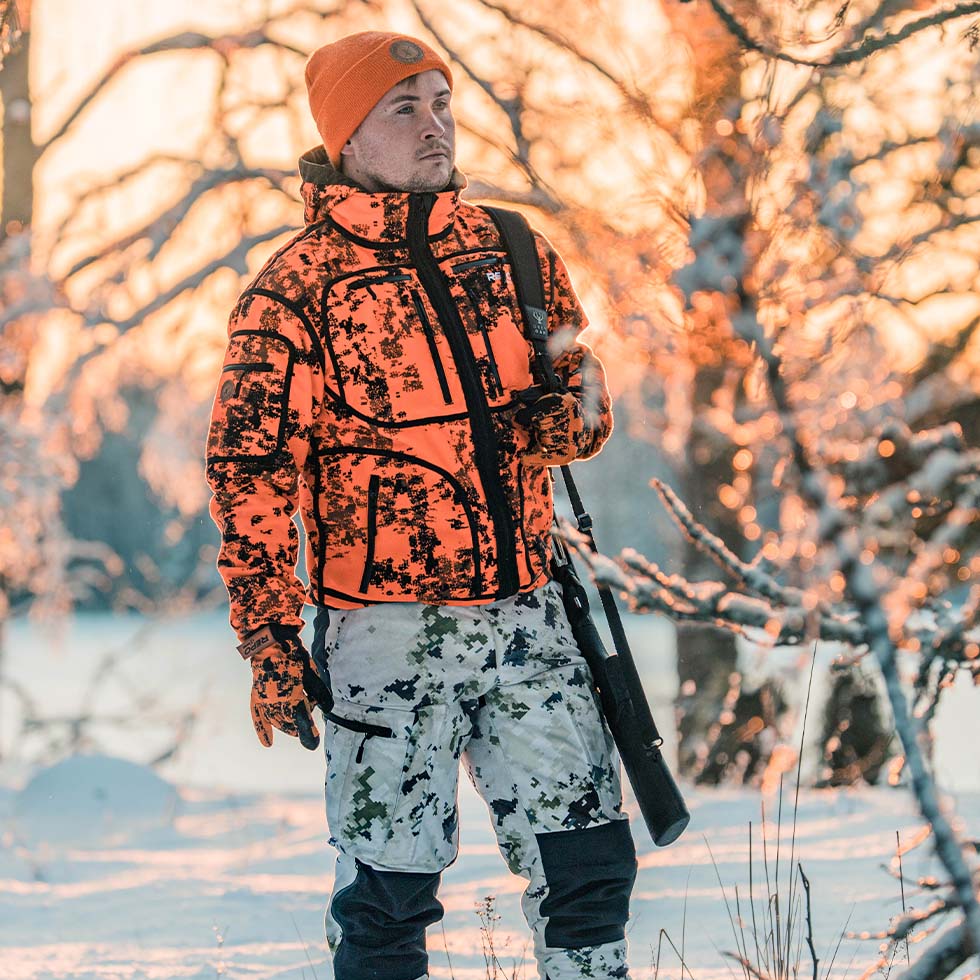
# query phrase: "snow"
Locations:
[[216, 865], [91, 799]]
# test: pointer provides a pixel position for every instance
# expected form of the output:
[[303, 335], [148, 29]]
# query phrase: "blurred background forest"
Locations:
[[771, 212]]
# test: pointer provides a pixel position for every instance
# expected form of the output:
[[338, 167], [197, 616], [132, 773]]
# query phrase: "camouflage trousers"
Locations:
[[502, 687]]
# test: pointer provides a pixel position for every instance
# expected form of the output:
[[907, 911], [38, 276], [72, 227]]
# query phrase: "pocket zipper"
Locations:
[[476, 263], [372, 529], [362, 728], [482, 324], [259, 366], [433, 349], [377, 281]]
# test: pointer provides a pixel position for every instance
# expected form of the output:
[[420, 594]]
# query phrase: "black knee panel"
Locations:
[[590, 875], [383, 916]]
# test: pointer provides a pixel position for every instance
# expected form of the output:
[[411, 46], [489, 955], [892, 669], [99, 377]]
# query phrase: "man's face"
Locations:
[[407, 142]]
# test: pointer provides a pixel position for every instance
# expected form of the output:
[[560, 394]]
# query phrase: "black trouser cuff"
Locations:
[[590, 875], [383, 916]]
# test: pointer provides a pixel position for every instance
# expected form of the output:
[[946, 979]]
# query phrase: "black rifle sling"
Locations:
[[518, 240]]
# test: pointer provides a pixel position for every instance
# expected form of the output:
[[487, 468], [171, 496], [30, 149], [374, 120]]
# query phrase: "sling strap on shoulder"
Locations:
[[518, 240]]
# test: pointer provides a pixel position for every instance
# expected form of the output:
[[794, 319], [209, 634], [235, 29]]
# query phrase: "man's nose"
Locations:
[[432, 127]]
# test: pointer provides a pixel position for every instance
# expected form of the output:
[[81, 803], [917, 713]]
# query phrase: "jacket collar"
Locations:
[[327, 193]]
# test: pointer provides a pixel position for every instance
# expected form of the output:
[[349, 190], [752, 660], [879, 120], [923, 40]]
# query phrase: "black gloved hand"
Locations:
[[554, 421]]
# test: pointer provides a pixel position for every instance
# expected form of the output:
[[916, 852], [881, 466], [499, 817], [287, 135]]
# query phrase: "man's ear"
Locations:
[[347, 149]]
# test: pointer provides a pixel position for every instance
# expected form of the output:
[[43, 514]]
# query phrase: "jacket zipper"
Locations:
[[433, 349], [372, 530], [486, 455], [520, 490], [482, 324]]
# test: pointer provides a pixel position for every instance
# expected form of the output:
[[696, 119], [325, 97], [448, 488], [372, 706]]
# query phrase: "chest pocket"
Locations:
[[393, 362], [485, 297], [251, 409]]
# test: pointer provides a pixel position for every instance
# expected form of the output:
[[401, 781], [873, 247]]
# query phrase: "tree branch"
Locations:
[[223, 46], [942, 958], [844, 56]]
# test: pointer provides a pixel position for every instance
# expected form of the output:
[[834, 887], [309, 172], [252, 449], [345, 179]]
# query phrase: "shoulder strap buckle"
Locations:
[[537, 323]]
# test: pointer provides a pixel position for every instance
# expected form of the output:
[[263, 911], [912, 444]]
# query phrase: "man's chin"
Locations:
[[432, 176], [424, 181]]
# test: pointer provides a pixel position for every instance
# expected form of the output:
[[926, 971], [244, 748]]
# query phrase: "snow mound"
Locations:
[[92, 799]]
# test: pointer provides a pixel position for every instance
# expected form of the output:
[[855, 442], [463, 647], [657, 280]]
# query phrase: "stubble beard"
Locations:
[[415, 184]]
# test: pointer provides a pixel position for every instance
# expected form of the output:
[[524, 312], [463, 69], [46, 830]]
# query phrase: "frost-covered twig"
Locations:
[[861, 570], [736, 609], [904, 927], [222, 45], [950, 951], [895, 452], [754, 578]]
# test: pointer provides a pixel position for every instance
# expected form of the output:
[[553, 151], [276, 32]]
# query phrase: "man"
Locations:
[[377, 377]]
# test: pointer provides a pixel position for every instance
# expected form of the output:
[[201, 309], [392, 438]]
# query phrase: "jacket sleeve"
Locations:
[[269, 394], [575, 363]]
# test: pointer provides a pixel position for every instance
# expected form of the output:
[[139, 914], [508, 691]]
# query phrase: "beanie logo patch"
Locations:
[[407, 52]]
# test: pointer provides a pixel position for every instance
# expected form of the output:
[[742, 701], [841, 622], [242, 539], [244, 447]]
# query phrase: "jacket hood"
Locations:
[[377, 216]]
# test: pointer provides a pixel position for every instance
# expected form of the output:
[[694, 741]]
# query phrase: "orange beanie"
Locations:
[[346, 79]]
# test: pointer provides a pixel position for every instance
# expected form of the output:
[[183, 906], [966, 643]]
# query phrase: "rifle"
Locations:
[[614, 676]]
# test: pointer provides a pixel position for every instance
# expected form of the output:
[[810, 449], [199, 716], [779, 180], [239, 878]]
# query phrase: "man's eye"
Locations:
[[405, 110]]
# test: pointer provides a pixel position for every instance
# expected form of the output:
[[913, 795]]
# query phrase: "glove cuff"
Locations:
[[272, 634]]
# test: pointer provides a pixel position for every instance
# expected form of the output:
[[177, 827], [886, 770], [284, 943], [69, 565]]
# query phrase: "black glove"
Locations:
[[554, 421]]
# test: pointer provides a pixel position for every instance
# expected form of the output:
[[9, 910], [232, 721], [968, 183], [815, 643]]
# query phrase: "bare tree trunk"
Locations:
[[720, 728], [19, 152], [16, 202]]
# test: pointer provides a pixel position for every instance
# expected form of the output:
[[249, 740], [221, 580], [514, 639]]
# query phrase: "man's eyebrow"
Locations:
[[414, 98]]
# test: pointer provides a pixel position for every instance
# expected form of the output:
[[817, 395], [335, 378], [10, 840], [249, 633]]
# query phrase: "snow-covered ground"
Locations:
[[216, 864]]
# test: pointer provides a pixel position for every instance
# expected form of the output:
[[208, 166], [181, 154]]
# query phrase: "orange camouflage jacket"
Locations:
[[370, 379]]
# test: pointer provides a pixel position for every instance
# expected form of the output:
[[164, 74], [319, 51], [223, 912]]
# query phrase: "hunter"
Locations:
[[378, 379]]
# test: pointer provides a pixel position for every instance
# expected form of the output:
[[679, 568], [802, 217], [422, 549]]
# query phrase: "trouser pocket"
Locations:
[[391, 784], [367, 753]]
